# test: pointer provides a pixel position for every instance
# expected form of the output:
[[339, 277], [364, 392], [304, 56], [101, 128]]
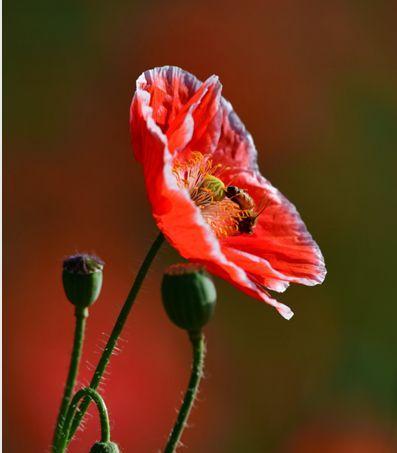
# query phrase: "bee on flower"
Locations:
[[207, 194]]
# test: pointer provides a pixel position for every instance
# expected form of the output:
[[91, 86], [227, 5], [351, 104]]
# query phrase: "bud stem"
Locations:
[[198, 345], [118, 327], [102, 410], [81, 315]]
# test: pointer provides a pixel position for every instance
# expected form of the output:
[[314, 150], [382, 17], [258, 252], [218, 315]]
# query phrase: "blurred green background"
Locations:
[[316, 85]]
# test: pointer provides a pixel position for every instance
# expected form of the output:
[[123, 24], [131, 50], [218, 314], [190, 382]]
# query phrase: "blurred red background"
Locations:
[[315, 83]]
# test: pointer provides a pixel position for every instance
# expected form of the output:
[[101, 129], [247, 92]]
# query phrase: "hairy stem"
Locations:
[[102, 410], [81, 315], [198, 346], [118, 327]]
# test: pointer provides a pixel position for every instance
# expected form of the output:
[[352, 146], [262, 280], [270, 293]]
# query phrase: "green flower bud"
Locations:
[[105, 447], [215, 186], [82, 279], [189, 296]]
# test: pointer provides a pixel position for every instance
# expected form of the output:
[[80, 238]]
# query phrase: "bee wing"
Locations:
[[262, 205]]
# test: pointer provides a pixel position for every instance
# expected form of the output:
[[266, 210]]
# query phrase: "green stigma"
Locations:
[[215, 186]]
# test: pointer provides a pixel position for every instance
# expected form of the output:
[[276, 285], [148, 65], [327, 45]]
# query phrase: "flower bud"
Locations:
[[105, 447], [189, 296], [82, 279]]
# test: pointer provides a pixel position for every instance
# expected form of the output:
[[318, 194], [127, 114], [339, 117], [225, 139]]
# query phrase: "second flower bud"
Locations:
[[189, 296]]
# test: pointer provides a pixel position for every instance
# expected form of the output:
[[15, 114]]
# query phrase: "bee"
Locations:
[[241, 197], [246, 203]]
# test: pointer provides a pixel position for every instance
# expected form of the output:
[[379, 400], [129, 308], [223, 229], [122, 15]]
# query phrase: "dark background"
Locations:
[[315, 83]]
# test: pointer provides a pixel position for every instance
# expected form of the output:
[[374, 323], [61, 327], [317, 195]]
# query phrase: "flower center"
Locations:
[[227, 210]]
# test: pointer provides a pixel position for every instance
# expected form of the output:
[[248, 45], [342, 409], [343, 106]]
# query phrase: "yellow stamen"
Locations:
[[201, 178]]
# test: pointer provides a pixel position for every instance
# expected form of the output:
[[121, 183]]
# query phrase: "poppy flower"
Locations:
[[207, 194]]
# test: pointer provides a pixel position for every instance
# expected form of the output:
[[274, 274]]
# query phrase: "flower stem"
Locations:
[[81, 315], [118, 327], [102, 410], [198, 345]]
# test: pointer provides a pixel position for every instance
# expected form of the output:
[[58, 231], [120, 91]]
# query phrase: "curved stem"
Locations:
[[198, 345], [118, 327], [81, 315], [102, 410]]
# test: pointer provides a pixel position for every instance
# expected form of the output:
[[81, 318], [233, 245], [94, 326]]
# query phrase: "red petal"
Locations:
[[175, 214], [236, 147], [280, 236], [241, 280], [185, 109], [258, 269], [170, 88], [173, 112]]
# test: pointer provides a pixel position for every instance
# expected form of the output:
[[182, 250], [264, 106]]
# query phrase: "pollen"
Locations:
[[202, 179], [223, 217]]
